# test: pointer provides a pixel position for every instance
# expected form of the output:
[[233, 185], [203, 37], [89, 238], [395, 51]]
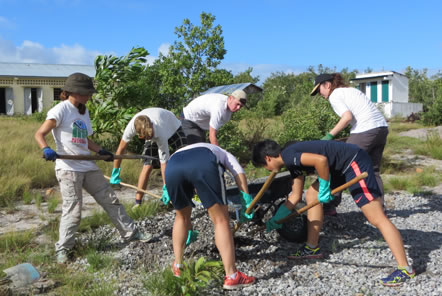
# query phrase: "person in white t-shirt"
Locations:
[[369, 129], [162, 131], [200, 167], [71, 128], [210, 112]]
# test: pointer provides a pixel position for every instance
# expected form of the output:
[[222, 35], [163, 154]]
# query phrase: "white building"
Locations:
[[30, 88], [389, 90]]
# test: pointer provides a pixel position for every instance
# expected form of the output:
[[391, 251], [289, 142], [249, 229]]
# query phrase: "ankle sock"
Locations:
[[310, 246], [408, 268], [233, 275], [138, 201], [177, 265]]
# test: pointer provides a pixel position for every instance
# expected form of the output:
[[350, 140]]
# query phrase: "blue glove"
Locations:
[[105, 152], [165, 196], [324, 195], [246, 200], [191, 236], [327, 137], [49, 154], [115, 178], [281, 213]]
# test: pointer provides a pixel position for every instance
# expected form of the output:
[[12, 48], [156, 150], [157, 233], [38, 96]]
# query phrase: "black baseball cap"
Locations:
[[318, 80]]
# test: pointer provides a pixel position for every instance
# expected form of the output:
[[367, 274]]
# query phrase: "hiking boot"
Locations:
[[241, 280], [305, 252], [140, 236], [62, 256], [397, 278], [176, 270]]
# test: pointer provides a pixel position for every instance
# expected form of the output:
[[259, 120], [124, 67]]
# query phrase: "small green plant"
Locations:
[[52, 204], [16, 241], [146, 210], [27, 197], [162, 283], [432, 146], [38, 198], [197, 275], [98, 261], [414, 183], [98, 218]]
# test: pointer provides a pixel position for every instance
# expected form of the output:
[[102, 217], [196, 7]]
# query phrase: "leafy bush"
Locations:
[[310, 120]]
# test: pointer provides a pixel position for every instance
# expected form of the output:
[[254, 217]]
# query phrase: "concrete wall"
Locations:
[[21, 91], [400, 88], [392, 109]]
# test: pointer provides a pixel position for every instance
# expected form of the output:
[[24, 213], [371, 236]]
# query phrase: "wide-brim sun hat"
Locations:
[[79, 83], [318, 80]]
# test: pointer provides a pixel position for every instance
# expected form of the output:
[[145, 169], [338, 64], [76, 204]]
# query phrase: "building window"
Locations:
[[374, 91], [384, 91], [362, 87], [57, 92]]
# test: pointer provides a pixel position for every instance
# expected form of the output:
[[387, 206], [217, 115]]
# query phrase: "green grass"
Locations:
[[147, 209], [98, 261], [431, 147], [415, 182]]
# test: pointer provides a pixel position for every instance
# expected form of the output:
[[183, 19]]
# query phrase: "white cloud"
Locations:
[[164, 49], [34, 52], [6, 24]]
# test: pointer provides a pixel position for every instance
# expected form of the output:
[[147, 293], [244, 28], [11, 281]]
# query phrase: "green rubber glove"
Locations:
[[115, 178], [327, 137], [324, 195], [191, 236], [246, 200], [281, 213], [165, 196]]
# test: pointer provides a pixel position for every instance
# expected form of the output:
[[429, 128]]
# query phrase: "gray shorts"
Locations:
[[175, 142]]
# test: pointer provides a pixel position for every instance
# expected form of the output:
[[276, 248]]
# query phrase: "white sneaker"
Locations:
[[62, 256], [140, 236]]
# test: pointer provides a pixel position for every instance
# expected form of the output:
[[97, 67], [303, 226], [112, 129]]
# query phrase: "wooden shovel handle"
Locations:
[[261, 192], [100, 157], [334, 191], [136, 188]]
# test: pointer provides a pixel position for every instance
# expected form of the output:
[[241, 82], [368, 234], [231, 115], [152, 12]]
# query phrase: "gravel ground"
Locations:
[[356, 255]]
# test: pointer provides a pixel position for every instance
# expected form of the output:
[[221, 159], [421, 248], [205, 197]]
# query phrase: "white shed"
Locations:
[[389, 90], [28, 88]]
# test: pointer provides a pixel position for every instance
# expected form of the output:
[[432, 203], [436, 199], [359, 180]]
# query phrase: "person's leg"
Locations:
[[142, 182], [374, 213], [181, 227], [71, 192], [223, 236], [315, 216], [97, 186]]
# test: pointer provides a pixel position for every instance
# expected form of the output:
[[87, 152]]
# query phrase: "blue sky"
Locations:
[[270, 36]]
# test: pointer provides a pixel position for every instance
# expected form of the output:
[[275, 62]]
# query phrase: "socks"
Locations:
[[138, 202], [408, 268], [310, 246], [178, 265], [233, 275]]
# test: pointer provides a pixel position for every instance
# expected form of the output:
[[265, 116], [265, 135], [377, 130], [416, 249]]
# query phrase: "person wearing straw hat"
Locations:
[[71, 128], [162, 133], [210, 112], [369, 129]]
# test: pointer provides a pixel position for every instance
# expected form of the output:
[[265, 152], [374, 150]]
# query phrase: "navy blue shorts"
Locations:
[[366, 190], [191, 169]]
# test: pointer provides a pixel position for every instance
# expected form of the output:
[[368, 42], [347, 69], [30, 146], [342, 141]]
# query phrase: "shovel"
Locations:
[[136, 188], [103, 157], [334, 191], [261, 192]]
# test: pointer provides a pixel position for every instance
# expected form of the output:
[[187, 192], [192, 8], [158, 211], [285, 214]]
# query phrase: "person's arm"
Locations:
[[120, 150], [296, 194], [212, 136], [241, 182], [319, 162], [41, 133], [91, 145], [163, 171], [345, 120]]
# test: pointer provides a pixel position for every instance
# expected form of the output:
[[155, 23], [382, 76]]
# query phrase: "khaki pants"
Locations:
[[71, 185]]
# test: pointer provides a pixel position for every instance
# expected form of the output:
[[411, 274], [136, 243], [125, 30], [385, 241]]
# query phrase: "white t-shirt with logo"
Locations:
[[222, 156], [208, 110], [165, 124], [71, 136], [365, 114]]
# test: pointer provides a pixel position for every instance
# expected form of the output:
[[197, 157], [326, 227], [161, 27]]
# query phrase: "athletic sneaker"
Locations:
[[62, 256], [176, 270], [241, 280], [397, 278], [140, 236], [305, 252]]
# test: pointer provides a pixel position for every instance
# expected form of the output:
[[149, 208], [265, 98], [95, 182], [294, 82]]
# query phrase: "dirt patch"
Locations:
[[422, 132]]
